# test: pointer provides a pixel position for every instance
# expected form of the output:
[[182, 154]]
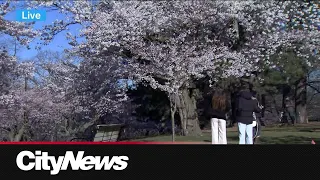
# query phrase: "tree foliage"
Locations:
[[167, 45]]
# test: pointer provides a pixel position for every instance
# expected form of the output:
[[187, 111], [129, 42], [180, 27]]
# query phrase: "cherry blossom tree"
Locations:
[[25, 109], [36, 114], [176, 56], [7, 67], [98, 78], [10, 68], [180, 41], [22, 31], [65, 100], [90, 88], [55, 74], [170, 44]]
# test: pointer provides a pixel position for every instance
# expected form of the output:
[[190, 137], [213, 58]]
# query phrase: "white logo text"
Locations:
[[42, 161]]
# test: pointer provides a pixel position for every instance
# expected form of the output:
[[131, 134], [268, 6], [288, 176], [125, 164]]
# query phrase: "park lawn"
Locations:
[[299, 134]]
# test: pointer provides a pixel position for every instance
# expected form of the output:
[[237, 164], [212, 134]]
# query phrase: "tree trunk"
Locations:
[[173, 126], [173, 109], [283, 106], [187, 108], [19, 135], [233, 108], [15, 134], [301, 101], [263, 103], [11, 135]]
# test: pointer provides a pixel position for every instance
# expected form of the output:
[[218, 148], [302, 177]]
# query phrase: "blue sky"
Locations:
[[59, 43]]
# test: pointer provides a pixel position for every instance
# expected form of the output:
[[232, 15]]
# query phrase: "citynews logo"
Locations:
[[42, 161]]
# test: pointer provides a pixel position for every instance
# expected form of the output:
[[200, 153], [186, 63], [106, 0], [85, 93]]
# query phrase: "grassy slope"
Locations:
[[299, 134]]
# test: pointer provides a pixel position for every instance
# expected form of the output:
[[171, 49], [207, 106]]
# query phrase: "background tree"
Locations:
[[174, 48], [164, 40]]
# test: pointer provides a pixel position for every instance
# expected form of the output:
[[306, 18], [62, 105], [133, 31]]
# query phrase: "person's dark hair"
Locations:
[[219, 101], [245, 86]]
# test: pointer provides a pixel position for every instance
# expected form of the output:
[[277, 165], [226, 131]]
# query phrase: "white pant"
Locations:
[[218, 131]]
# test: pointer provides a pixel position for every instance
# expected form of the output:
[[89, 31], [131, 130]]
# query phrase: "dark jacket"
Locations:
[[216, 113], [245, 107]]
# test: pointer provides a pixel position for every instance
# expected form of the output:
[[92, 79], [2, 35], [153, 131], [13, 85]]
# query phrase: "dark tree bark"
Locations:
[[301, 101], [187, 109], [173, 109]]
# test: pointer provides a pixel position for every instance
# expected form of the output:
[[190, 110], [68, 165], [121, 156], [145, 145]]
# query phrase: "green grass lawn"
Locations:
[[298, 134]]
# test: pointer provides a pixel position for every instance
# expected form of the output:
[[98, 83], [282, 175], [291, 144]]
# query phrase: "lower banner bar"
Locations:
[[143, 160]]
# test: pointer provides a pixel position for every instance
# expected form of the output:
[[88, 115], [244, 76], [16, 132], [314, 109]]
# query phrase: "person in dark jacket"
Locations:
[[218, 114], [244, 116]]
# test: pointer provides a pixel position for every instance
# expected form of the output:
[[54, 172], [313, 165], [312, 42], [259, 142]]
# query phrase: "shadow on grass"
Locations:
[[292, 129], [142, 138], [307, 130], [280, 140], [233, 138], [288, 140], [264, 140]]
